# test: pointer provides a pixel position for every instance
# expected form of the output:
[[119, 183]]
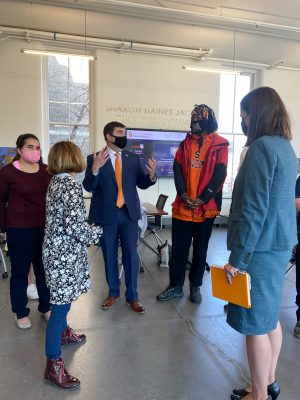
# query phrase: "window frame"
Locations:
[[226, 134], [46, 123]]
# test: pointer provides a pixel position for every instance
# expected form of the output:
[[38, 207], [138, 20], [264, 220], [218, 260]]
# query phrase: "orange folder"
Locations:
[[237, 293]]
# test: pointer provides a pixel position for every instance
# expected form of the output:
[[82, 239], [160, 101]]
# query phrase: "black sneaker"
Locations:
[[171, 292], [195, 295], [297, 329]]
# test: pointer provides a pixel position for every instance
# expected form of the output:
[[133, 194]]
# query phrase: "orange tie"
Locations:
[[118, 173]]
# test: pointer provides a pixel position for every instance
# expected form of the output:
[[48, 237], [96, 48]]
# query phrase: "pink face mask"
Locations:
[[31, 156]]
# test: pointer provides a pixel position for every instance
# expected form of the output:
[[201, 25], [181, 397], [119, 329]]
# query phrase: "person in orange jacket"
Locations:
[[200, 169]]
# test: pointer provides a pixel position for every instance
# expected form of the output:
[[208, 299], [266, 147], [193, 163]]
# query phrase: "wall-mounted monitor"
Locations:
[[159, 144]]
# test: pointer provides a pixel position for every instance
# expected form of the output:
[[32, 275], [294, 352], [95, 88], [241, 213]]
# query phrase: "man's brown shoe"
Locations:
[[136, 306], [109, 302]]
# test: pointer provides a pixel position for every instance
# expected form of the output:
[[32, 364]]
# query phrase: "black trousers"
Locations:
[[298, 280], [25, 247], [182, 234]]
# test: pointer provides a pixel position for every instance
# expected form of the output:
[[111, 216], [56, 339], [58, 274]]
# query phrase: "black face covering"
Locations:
[[198, 127], [244, 128], [120, 141]]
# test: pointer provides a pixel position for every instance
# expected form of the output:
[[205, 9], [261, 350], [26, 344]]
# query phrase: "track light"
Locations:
[[57, 53]]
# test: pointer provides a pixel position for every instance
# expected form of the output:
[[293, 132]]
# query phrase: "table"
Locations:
[[153, 211]]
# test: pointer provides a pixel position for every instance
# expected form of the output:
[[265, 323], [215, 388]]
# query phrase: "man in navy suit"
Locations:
[[113, 175]]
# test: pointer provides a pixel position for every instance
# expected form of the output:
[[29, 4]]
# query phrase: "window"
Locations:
[[68, 99], [232, 89]]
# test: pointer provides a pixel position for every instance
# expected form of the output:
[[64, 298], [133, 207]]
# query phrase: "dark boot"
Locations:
[[70, 337], [195, 295], [56, 373]]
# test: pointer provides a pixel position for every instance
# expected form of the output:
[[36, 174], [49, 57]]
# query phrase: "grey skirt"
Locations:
[[267, 272]]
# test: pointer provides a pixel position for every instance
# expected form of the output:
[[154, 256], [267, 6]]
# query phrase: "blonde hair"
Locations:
[[65, 157]]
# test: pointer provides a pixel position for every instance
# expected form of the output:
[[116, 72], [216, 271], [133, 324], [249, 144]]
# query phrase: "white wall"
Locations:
[[287, 84], [20, 95]]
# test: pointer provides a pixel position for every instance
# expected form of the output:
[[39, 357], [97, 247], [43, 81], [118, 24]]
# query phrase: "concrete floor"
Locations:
[[176, 351]]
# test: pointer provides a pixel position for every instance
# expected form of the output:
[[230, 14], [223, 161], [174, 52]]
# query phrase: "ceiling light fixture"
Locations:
[[57, 53], [212, 70]]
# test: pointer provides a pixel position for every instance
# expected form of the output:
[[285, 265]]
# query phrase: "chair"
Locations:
[[153, 227], [5, 274], [292, 262], [161, 201]]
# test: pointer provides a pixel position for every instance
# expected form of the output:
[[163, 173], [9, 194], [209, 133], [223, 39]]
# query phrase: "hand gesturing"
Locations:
[[151, 167], [100, 159]]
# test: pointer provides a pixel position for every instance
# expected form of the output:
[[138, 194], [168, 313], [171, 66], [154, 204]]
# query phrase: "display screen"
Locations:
[[159, 144]]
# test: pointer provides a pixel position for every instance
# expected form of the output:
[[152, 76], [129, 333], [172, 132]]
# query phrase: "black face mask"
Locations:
[[120, 141], [198, 127], [244, 128]]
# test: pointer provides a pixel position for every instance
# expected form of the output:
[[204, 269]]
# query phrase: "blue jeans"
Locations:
[[55, 327]]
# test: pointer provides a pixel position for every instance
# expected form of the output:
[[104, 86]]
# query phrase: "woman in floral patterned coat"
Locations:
[[67, 235]]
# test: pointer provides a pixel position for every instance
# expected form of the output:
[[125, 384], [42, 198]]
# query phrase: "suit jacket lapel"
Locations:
[[124, 163], [111, 171]]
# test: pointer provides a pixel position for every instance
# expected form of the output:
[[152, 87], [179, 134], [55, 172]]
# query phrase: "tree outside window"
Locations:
[[68, 98]]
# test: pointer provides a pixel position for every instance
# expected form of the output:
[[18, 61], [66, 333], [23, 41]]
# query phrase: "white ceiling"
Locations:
[[271, 11]]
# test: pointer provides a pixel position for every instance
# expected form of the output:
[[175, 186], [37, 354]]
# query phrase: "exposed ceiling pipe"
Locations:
[[228, 63], [56, 39]]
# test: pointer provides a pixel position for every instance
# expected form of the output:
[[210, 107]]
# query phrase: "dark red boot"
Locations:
[[56, 373], [70, 337]]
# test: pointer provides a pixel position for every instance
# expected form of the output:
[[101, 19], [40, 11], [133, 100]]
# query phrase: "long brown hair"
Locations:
[[20, 143], [267, 114]]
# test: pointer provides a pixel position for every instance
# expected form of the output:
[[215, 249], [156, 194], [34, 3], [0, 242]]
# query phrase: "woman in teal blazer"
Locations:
[[262, 233]]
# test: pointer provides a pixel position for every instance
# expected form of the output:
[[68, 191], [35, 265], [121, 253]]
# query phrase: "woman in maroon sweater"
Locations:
[[23, 187]]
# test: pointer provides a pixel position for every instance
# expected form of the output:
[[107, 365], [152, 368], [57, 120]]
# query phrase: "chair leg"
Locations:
[[121, 272], [290, 268], [143, 241], [189, 264], [5, 274], [140, 263]]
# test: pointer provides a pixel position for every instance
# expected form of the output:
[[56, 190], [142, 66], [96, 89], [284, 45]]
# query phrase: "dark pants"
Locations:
[[55, 327], [125, 230], [298, 280], [25, 247], [182, 234]]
